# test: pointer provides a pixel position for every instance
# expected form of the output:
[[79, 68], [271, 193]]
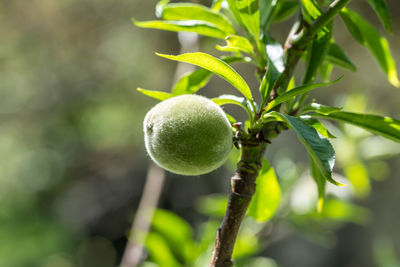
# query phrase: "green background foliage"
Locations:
[[72, 155]]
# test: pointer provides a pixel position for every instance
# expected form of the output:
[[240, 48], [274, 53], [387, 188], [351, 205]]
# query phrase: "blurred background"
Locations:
[[73, 164]]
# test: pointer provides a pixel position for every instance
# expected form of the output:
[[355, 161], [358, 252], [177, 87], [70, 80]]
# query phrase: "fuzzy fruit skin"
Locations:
[[188, 135]]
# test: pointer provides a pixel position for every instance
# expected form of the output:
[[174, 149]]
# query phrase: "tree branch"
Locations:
[[243, 187], [253, 148]]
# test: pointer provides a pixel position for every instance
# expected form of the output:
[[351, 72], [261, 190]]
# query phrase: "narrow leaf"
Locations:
[[325, 71], [380, 125], [322, 109], [320, 181], [317, 125], [374, 41], [155, 94], [310, 10], [275, 67], [200, 27], [380, 8], [187, 11], [216, 66], [317, 146], [191, 82], [316, 56], [297, 91], [250, 15], [235, 11], [284, 10], [267, 10], [235, 100], [337, 56], [266, 199], [236, 43]]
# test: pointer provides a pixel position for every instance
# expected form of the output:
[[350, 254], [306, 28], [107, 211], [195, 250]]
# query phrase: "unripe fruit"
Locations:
[[188, 134]]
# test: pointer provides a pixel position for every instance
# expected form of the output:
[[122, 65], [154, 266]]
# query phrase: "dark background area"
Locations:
[[73, 163]]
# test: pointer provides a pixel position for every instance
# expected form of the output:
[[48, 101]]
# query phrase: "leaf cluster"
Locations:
[[245, 26]]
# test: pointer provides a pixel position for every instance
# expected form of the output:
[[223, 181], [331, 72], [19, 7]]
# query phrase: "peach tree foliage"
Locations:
[[245, 25]]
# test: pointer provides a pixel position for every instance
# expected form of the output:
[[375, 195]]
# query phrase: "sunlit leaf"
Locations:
[[318, 147], [250, 15], [212, 205], [200, 27], [380, 125], [338, 57], [317, 125], [336, 209], [216, 66], [216, 6], [297, 91], [159, 251], [188, 11], [266, 199], [369, 37], [191, 82], [357, 174], [155, 94], [383, 13], [175, 231], [320, 181], [310, 10], [236, 43]]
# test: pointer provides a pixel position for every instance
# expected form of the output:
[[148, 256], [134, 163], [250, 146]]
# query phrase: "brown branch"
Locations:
[[243, 187]]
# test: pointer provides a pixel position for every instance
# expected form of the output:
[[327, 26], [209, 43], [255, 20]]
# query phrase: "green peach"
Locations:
[[188, 135]]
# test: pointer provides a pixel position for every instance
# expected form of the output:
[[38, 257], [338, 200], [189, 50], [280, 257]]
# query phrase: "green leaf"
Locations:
[[216, 66], [320, 181], [175, 231], [297, 91], [317, 125], [235, 100], [193, 81], [284, 10], [317, 146], [275, 68], [316, 56], [339, 210], [267, 10], [236, 43], [212, 205], [310, 9], [357, 174], [322, 109], [381, 9], [266, 199], [249, 15], [159, 251], [155, 94], [337, 56], [187, 11], [235, 11], [369, 37], [203, 28], [380, 125], [216, 5], [325, 71]]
